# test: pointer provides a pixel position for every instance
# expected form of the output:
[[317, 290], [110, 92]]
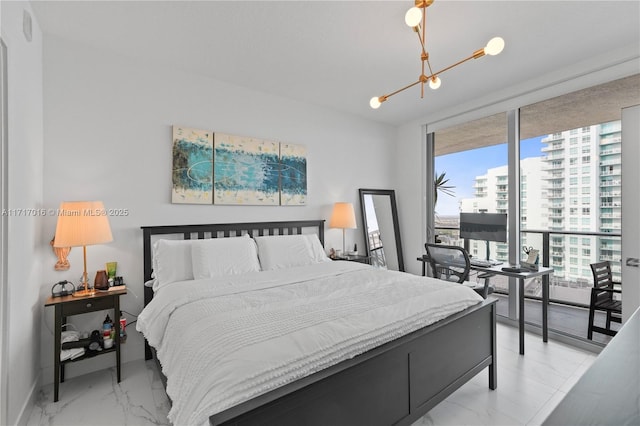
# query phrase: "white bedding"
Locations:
[[224, 340]]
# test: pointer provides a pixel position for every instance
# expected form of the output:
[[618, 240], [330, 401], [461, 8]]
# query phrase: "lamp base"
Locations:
[[84, 293]]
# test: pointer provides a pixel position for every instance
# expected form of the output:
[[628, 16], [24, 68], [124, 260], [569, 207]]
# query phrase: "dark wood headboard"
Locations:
[[224, 230]]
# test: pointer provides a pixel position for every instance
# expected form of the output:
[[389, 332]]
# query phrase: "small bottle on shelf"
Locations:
[[123, 324]]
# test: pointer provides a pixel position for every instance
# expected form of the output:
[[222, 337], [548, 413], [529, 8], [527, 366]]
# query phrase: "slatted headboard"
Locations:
[[219, 230]]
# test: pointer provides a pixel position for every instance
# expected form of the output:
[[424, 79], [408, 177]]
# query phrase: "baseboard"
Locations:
[[29, 403]]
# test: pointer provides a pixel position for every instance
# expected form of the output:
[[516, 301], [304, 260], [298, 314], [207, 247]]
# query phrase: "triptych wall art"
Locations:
[[216, 168]]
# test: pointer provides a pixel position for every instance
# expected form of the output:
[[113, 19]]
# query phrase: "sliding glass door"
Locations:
[[565, 167]]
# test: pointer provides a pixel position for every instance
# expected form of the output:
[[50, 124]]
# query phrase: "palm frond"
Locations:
[[440, 183]]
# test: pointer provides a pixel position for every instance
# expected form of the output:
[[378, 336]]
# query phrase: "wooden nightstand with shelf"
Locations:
[[67, 306]]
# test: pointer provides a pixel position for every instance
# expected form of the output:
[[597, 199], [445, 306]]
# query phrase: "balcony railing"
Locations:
[[565, 288]]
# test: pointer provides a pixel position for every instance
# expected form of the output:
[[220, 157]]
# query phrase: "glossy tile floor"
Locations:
[[529, 387]]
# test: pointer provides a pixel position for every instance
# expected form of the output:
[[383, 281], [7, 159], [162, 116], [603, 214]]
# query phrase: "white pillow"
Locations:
[[171, 262], [317, 251], [217, 257], [286, 251]]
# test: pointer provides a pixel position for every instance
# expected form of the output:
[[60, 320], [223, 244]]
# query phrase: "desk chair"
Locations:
[[451, 263], [602, 299]]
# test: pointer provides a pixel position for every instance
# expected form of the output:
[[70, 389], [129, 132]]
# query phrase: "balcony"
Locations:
[[607, 183], [611, 194], [557, 155], [566, 319], [616, 194], [610, 226], [609, 141], [555, 146], [569, 298], [610, 214], [614, 172], [553, 175]]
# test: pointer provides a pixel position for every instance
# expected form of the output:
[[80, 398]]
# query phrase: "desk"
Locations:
[[521, 276]]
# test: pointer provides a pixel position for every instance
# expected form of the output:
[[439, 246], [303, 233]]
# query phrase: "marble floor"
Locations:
[[529, 387]]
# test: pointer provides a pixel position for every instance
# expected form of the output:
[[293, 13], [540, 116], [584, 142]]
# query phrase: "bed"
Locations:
[[395, 375]]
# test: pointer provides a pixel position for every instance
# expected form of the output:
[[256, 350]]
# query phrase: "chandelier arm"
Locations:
[[424, 27], [454, 65], [400, 90], [422, 81], [430, 70], [418, 32]]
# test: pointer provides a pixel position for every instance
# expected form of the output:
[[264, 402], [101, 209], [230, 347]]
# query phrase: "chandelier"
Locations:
[[416, 18]]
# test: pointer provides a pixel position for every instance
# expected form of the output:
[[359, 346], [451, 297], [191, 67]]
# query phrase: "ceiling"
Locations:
[[339, 54]]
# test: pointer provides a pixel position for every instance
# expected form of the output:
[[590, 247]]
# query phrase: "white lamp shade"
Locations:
[[435, 82], [343, 216], [375, 102], [82, 223]]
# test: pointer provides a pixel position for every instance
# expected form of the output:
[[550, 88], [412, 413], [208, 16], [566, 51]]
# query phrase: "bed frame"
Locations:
[[395, 383]]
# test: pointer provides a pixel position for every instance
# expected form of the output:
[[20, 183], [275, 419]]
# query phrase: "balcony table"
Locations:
[[521, 276]]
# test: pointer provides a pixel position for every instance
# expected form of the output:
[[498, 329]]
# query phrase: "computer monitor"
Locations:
[[484, 226]]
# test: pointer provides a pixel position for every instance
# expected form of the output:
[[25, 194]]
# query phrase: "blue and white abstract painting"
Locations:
[[246, 171], [293, 174], [192, 166], [219, 168]]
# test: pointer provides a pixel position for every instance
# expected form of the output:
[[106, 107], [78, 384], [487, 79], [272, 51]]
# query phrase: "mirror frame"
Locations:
[[394, 212]]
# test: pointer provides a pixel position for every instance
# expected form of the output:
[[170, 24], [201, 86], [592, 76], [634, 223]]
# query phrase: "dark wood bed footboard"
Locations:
[[395, 383]]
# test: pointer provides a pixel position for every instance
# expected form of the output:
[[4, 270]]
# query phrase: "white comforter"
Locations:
[[223, 341]]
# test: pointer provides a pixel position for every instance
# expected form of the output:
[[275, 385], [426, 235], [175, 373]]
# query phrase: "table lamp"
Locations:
[[82, 224], [343, 217]]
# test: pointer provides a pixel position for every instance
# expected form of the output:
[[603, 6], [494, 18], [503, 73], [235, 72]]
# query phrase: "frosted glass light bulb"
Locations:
[[494, 46], [375, 102], [413, 17], [435, 82]]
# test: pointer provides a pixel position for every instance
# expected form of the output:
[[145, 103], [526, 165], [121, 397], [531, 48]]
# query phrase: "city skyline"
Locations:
[[462, 168]]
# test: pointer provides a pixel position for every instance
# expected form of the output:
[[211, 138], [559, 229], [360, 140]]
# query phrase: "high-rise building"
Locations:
[[491, 196], [583, 193], [575, 186]]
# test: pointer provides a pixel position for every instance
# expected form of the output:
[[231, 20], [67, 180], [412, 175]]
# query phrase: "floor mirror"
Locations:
[[381, 229]]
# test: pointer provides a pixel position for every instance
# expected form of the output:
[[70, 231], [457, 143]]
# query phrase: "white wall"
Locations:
[[108, 136], [25, 146], [410, 193]]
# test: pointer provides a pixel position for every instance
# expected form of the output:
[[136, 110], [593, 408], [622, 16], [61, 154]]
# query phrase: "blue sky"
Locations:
[[463, 167]]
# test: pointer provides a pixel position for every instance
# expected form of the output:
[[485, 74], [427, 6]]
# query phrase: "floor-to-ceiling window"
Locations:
[[569, 179]]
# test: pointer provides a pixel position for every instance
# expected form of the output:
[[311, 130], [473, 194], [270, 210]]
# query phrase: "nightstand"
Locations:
[[67, 306], [354, 258]]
